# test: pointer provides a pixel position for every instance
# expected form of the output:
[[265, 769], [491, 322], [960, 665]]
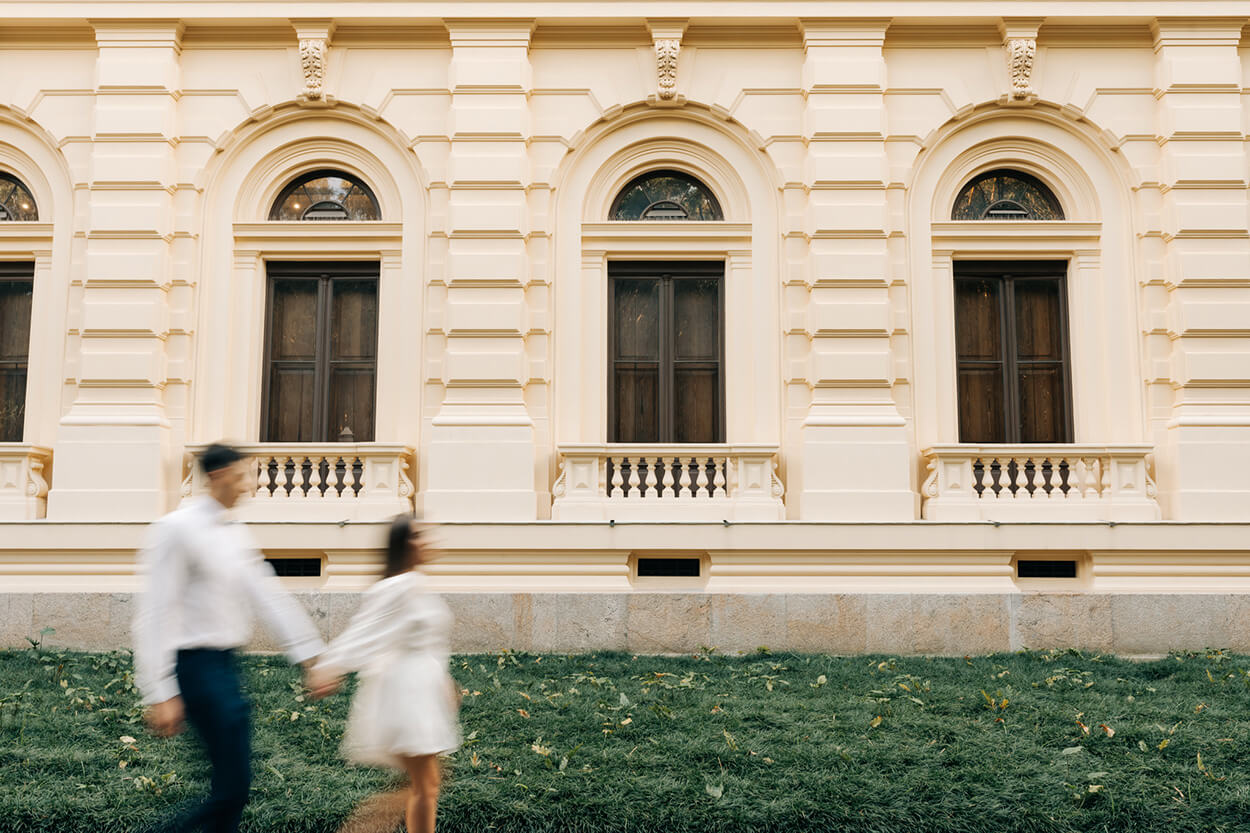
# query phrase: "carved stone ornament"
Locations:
[[666, 52], [1020, 52], [312, 59]]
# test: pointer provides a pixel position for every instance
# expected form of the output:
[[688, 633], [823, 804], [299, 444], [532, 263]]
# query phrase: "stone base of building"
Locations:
[[951, 624]]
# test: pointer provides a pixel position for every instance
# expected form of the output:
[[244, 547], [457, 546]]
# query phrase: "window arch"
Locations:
[[16, 201], [665, 195], [326, 195], [1004, 194]]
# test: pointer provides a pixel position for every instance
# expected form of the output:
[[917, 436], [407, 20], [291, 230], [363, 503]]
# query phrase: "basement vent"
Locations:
[[295, 567], [1046, 569], [669, 567]]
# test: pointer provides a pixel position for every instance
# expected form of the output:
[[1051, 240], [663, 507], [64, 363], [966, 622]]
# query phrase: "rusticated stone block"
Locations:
[[888, 624], [17, 621], [745, 622], [961, 624], [1156, 624], [668, 623], [80, 620], [484, 621], [1062, 620], [826, 623], [587, 622]]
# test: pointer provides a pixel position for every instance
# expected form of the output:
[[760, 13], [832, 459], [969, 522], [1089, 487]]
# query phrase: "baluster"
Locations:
[[718, 477], [319, 481], [667, 483], [651, 463], [684, 477], [995, 479], [1057, 476], [635, 489], [1017, 480], [285, 475], [701, 480], [1035, 479], [618, 479], [262, 477]]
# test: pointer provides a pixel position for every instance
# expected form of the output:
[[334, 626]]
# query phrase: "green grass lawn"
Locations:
[[610, 742]]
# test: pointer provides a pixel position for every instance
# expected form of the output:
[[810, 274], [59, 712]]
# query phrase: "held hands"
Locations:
[[165, 719], [321, 682]]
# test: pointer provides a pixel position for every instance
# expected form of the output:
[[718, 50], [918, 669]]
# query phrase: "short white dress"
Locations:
[[399, 642]]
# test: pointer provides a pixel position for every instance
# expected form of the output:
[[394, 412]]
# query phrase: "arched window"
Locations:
[[1006, 195], [326, 195], [665, 195], [16, 202]]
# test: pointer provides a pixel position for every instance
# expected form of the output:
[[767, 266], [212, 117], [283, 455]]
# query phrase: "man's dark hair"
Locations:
[[217, 457]]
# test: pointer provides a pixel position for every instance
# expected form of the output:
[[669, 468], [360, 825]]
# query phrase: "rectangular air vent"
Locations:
[[669, 567], [1045, 569], [295, 567]]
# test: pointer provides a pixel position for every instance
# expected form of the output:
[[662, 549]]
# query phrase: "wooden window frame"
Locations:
[[1006, 272], [20, 271], [666, 272], [324, 273]]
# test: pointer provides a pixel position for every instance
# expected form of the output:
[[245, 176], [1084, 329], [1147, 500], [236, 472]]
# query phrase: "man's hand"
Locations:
[[165, 719], [320, 682]]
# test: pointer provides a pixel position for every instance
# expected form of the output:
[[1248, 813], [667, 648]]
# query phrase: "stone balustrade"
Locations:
[[668, 482], [23, 481], [1072, 482], [319, 481]]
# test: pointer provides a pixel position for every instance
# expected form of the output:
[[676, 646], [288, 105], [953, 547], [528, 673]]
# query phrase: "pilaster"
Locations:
[[856, 457], [1206, 450], [481, 458], [112, 443]]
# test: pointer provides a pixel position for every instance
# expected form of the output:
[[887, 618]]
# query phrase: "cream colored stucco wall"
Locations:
[[835, 135]]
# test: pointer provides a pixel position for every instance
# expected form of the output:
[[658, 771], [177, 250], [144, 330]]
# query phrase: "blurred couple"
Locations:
[[206, 580]]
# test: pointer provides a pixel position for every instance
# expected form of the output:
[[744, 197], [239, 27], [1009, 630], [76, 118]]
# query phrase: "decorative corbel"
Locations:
[[666, 35], [1020, 46], [314, 47]]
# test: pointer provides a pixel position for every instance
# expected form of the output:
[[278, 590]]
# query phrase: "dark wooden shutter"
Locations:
[[666, 380], [980, 361], [1039, 354], [321, 352], [1011, 353], [16, 295]]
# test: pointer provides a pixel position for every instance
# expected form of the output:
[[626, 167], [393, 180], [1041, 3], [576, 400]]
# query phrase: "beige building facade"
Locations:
[[877, 326]]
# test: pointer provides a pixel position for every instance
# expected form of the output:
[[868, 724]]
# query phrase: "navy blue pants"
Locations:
[[221, 716]]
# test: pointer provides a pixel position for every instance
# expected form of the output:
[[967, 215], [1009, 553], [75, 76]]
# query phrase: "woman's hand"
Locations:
[[321, 682], [456, 694]]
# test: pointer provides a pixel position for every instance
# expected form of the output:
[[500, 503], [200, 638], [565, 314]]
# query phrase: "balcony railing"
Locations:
[[23, 484], [1039, 482], [310, 481], [668, 482]]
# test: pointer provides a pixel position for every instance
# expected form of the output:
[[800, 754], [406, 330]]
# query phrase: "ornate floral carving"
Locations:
[[666, 52], [312, 59], [1020, 52]]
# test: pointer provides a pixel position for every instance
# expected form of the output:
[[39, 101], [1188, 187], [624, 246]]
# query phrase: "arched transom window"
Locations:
[[665, 195], [16, 202], [326, 195], [1006, 195]]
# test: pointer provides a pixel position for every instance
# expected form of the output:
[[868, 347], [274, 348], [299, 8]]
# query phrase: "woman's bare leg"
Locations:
[[378, 813], [425, 775]]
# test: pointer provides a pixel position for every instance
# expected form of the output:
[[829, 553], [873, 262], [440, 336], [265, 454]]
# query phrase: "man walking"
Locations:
[[205, 581]]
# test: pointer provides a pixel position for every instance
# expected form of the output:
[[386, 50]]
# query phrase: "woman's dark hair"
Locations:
[[397, 546]]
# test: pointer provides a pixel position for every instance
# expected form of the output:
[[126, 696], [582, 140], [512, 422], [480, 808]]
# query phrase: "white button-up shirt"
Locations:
[[206, 580]]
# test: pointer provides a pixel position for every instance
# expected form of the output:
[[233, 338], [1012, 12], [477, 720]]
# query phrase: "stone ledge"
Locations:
[[660, 623]]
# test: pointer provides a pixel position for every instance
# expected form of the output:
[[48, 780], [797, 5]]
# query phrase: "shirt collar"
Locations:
[[213, 510]]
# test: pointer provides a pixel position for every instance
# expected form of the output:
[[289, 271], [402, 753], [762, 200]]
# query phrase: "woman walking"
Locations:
[[404, 711]]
